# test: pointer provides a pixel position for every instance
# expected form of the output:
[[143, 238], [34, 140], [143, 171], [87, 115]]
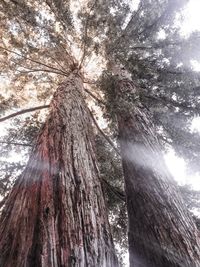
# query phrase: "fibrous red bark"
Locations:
[[161, 231], [55, 214]]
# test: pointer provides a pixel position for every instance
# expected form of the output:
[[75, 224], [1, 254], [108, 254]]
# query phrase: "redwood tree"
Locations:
[[161, 231], [55, 214]]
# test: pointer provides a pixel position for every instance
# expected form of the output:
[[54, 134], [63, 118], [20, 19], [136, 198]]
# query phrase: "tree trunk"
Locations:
[[55, 214], [161, 231]]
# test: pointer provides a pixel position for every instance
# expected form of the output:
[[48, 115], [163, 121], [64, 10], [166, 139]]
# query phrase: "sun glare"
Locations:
[[191, 17], [176, 165], [177, 168]]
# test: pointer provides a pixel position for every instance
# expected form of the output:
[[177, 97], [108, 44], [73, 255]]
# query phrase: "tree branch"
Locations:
[[15, 143], [2, 202], [120, 194], [41, 70], [160, 45], [183, 105], [124, 31], [22, 112], [85, 35], [35, 61], [103, 134], [156, 46], [94, 97]]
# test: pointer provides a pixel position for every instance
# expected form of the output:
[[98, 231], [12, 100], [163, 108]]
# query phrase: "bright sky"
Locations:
[[192, 18], [177, 165]]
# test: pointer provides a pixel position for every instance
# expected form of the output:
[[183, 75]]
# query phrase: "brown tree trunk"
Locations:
[[161, 231], [55, 214]]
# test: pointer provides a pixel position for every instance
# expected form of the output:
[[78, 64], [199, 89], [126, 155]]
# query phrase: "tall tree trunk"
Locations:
[[55, 214], [161, 232]]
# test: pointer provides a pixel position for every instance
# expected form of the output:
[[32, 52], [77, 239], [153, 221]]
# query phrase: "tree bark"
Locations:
[[55, 214], [161, 231]]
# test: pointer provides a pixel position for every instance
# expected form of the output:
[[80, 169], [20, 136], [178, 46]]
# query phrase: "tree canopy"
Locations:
[[43, 41]]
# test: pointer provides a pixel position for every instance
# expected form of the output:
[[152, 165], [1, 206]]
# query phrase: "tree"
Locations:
[[55, 214], [156, 229], [161, 230], [39, 39]]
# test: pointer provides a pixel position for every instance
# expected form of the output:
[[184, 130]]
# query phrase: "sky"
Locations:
[[191, 17], [177, 165]]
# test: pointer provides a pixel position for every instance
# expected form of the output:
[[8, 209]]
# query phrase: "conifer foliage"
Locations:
[[130, 63]]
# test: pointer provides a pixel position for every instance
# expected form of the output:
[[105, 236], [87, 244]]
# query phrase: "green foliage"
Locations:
[[107, 83], [113, 184], [190, 196]]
